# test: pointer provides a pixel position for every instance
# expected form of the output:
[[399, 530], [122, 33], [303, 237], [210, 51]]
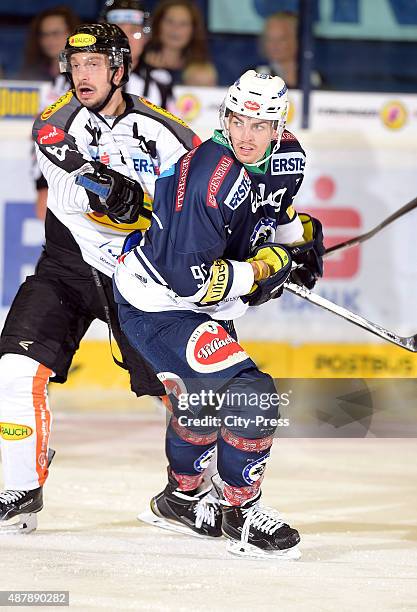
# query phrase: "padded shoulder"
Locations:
[[59, 113], [173, 123]]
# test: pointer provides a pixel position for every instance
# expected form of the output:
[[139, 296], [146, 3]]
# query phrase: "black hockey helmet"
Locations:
[[124, 11], [105, 38]]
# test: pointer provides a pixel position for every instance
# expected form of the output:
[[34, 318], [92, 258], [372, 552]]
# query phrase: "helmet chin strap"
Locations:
[[265, 159]]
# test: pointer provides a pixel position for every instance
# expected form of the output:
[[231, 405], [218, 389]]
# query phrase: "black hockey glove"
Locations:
[[117, 196], [309, 253], [279, 261]]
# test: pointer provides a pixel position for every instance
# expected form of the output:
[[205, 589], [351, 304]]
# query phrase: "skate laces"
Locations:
[[263, 518], [206, 510], [11, 496]]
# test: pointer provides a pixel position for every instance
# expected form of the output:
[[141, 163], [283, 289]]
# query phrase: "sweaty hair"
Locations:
[[197, 48], [33, 51]]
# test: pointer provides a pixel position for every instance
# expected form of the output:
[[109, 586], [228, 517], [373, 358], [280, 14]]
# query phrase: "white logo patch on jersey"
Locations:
[[261, 199], [239, 191], [288, 163], [59, 152]]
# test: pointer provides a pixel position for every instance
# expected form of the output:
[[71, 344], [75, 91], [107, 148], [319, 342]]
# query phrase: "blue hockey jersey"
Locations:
[[209, 212]]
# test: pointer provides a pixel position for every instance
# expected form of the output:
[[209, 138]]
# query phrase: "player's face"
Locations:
[[250, 137], [91, 74]]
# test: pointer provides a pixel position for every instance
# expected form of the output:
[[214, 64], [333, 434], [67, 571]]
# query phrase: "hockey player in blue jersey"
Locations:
[[223, 239]]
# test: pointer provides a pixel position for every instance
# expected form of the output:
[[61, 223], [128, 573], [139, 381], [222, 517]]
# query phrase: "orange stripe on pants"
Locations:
[[42, 420]]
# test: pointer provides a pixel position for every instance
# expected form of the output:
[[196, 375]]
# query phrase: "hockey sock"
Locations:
[[241, 463], [188, 453]]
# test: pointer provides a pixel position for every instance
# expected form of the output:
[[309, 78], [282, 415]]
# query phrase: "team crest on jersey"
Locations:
[[211, 349], [264, 231], [62, 101], [203, 461], [173, 383], [254, 470]]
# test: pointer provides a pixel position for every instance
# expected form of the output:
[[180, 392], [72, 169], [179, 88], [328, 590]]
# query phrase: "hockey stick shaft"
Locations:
[[410, 343], [362, 237]]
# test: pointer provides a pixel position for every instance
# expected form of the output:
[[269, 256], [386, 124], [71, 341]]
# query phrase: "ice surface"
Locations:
[[353, 501]]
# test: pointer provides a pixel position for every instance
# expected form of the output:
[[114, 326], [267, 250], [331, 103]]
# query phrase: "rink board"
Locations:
[[93, 366]]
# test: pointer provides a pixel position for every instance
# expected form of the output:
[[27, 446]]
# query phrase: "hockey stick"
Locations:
[[408, 343], [362, 237]]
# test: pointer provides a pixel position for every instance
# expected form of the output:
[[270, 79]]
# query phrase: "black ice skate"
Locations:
[[257, 531], [198, 514], [18, 510]]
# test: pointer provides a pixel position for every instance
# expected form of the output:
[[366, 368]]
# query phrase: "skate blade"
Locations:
[[157, 521], [19, 525], [241, 549]]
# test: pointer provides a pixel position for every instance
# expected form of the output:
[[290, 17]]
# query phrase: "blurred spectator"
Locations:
[[178, 38], [47, 36], [280, 47], [131, 15], [200, 74]]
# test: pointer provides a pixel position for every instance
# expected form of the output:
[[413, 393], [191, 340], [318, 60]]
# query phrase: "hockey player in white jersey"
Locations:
[[117, 145]]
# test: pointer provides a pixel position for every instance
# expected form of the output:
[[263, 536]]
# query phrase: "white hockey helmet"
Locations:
[[260, 96]]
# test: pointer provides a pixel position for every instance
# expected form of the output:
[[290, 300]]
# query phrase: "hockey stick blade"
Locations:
[[363, 237], [408, 343]]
